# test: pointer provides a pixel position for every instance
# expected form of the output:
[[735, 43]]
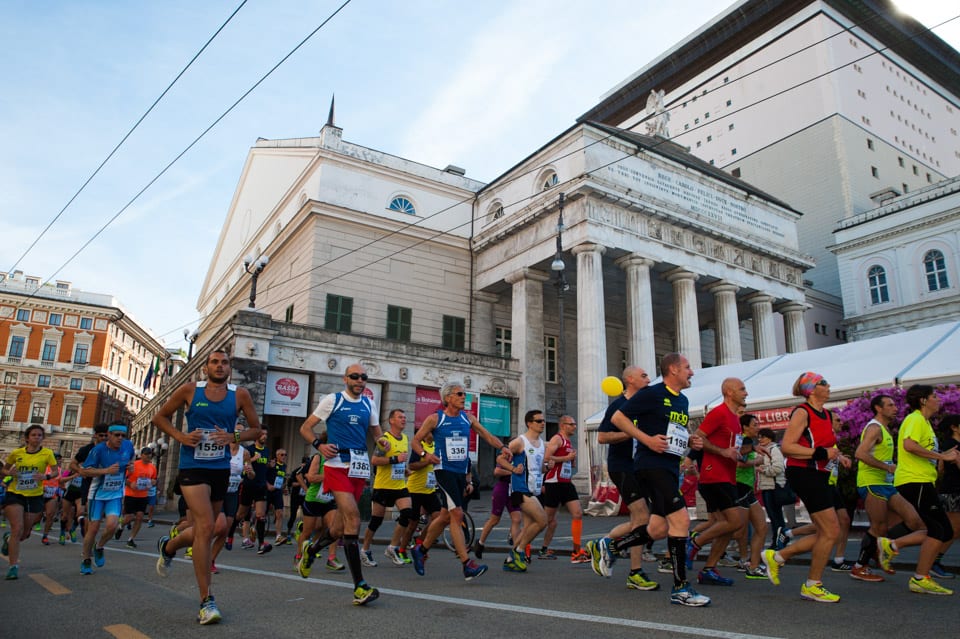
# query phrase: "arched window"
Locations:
[[877, 282], [935, 268], [550, 180], [402, 205], [495, 212]]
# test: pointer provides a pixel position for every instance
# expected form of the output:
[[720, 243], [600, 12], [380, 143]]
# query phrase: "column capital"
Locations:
[[634, 259], [678, 274], [792, 306], [483, 296], [526, 274], [588, 247], [759, 298], [721, 286]]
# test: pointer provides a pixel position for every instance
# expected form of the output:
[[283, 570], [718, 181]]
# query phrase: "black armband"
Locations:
[[316, 443], [819, 454]]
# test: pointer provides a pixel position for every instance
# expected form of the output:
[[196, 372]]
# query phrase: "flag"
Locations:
[[156, 371], [147, 379]]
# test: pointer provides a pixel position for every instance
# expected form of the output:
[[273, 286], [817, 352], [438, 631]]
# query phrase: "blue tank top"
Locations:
[[207, 416], [452, 439], [531, 479], [348, 423]]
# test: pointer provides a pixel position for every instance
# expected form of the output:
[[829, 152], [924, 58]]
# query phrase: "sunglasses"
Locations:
[[823, 382], [539, 421], [356, 376], [459, 393]]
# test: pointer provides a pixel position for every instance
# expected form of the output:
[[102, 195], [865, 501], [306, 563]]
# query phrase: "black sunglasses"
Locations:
[[539, 421], [356, 376], [823, 382]]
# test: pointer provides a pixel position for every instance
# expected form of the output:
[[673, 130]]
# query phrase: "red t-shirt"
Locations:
[[722, 428]]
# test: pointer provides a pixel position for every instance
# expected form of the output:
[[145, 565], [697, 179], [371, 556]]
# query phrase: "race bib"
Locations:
[[431, 481], [144, 483], [537, 486], [359, 464], [325, 497], [26, 481], [207, 448], [77, 481], [738, 442], [398, 472], [278, 483], [677, 437], [49, 491], [456, 448], [234, 484], [566, 470], [113, 482]]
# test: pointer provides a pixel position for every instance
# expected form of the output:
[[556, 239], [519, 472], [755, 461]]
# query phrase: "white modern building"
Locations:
[[821, 103]]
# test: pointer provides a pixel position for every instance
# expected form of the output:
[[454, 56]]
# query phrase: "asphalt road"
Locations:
[[262, 596]]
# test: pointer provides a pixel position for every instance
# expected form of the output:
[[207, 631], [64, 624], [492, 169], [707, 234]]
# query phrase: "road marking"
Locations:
[[123, 631], [52, 586]]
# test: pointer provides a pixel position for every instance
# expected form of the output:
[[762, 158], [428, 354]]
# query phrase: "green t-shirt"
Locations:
[[912, 469], [747, 474]]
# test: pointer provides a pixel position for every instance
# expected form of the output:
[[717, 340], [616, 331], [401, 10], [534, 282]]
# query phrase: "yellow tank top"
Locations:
[[392, 476], [422, 481], [883, 450]]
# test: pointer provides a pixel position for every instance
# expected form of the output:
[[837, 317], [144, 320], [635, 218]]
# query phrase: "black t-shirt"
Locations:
[[260, 465], [656, 410], [80, 457], [619, 455], [277, 475], [950, 481]]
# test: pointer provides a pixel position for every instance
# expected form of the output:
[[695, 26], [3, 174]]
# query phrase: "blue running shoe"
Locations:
[[711, 577], [419, 556]]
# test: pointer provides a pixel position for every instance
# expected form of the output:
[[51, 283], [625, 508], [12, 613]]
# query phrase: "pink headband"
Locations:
[[809, 381]]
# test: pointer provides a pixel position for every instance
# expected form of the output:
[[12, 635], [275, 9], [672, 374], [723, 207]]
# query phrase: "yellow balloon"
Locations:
[[612, 386]]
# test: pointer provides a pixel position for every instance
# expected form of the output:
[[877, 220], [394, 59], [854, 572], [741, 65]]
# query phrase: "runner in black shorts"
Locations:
[[99, 435]]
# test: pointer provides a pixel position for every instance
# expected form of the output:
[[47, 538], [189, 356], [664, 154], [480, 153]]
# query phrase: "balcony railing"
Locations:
[[47, 363], [79, 366], [13, 360]]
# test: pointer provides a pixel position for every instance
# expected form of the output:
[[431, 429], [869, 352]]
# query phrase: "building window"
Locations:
[[730, 127], [504, 341], [339, 315], [402, 204], [76, 383], [55, 319], [23, 315], [874, 172], [86, 323], [288, 314], [550, 358], [870, 144], [399, 320], [6, 411], [733, 151], [454, 332], [49, 351], [877, 282], [936, 270], [916, 171], [81, 354], [70, 414], [729, 102], [10, 377], [736, 172], [39, 414], [900, 161], [43, 381], [17, 344], [549, 181]]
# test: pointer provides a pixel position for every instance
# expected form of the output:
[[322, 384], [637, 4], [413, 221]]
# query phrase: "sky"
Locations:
[[479, 85]]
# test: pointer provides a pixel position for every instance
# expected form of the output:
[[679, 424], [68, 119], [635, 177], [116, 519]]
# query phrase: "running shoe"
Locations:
[[213, 568], [885, 553], [174, 531], [510, 566], [364, 594], [519, 559], [45, 540], [131, 543], [209, 613], [264, 549], [472, 570], [938, 571], [546, 553], [150, 523], [73, 536], [118, 533], [62, 540], [478, 550], [393, 555], [228, 544], [665, 566], [607, 555], [841, 566], [366, 558], [711, 577], [782, 539], [742, 566], [189, 552], [648, 556], [773, 568], [12, 573], [818, 593], [692, 551], [333, 565], [305, 562], [928, 586], [246, 544], [419, 556], [727, 562], [98, 557], [405, 556], [863, 573], [86, 567], [759, 573], [164, 561], [685, 595], [280, 540], [579, 557], [639, 581]]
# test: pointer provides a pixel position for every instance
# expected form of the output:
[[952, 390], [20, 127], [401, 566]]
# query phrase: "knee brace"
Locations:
[[406, 514], [375, 523]]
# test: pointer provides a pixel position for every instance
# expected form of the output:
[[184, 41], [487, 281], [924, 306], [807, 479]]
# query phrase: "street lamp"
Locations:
[[254, 269], [159, 449], [559, 267], [191, 340]]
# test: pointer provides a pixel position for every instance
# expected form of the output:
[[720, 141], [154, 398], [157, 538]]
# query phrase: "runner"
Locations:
[[107, 466], [239, 468], [320, 518], [142, 476], [558, 490], [276, 484], [500, 500], [526, 483]]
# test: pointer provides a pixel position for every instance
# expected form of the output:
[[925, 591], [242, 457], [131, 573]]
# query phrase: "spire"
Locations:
[[330, 121]]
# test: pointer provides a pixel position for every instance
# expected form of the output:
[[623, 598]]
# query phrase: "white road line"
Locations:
[[473, 603]]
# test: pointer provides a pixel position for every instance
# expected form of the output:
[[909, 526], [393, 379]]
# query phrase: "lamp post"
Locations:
[[191, 340], [159, 448], [562, 287], [254, 269]]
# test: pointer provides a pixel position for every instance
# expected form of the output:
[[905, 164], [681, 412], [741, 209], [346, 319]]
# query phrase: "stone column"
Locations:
[[727, 321], [793, 327], [527, 332], [764, 336], [640, 342], [591, 349], [484, 327], [685, 315]]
